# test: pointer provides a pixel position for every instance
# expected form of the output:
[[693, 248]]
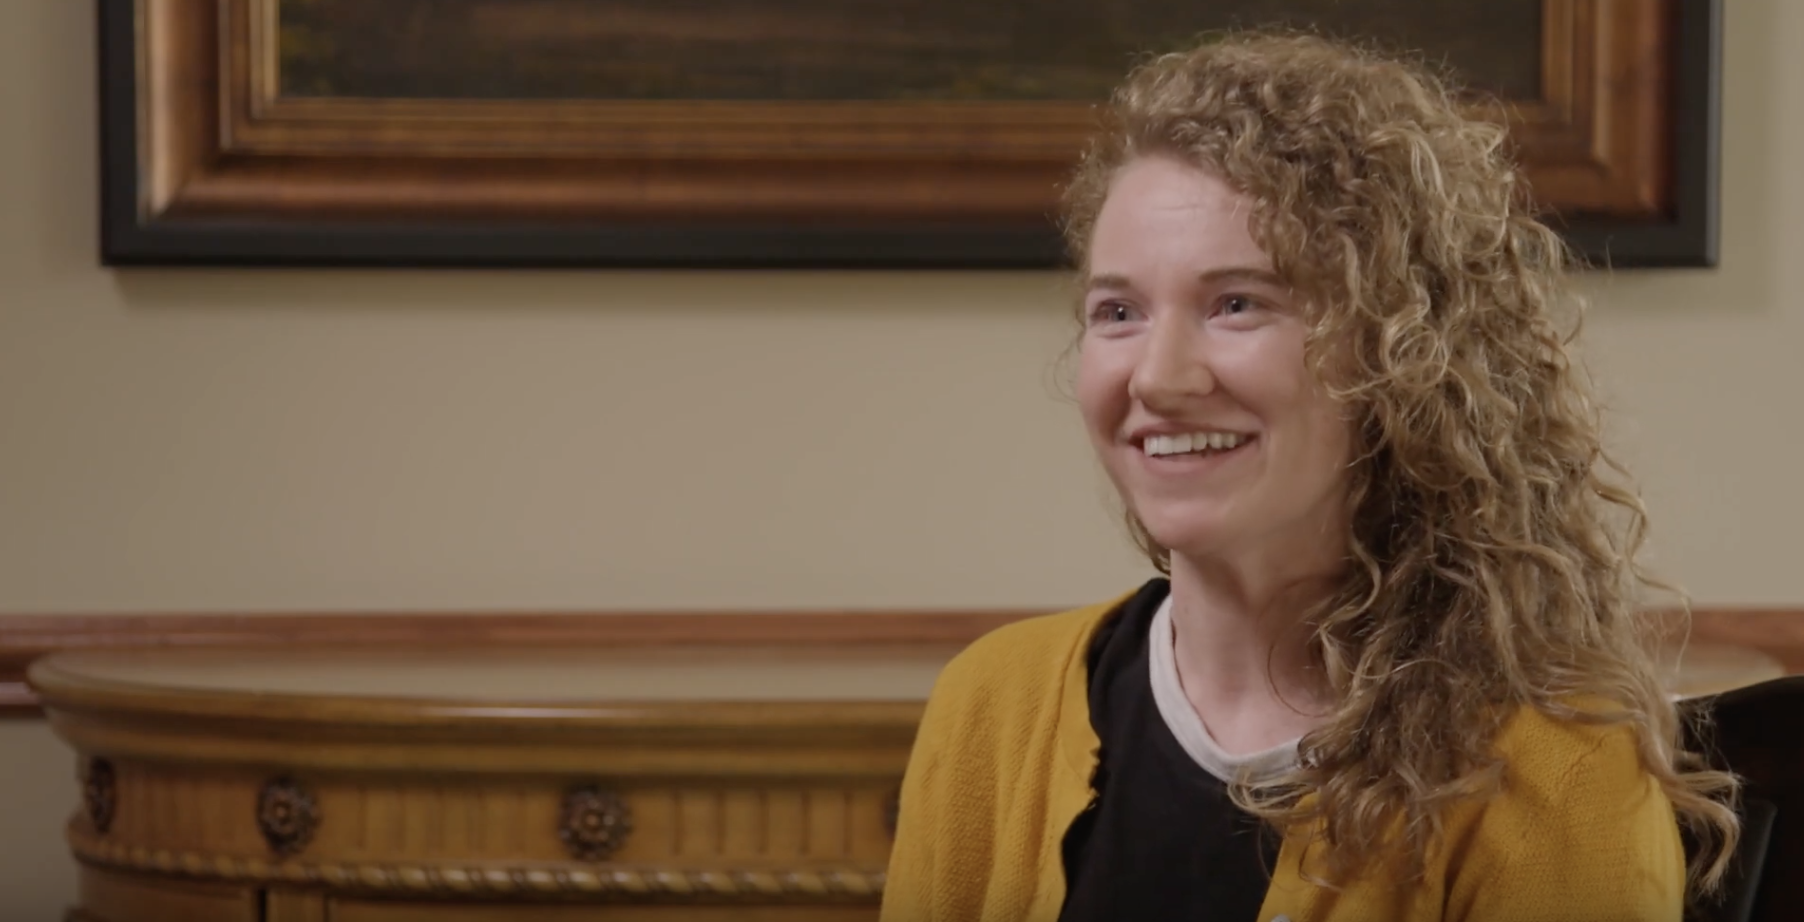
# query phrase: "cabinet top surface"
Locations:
[[499, 677]]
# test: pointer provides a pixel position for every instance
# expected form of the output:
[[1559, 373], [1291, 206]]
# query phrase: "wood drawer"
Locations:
[[109, 896]]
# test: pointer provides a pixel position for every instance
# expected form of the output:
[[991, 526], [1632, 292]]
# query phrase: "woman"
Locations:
[[1395, 673]]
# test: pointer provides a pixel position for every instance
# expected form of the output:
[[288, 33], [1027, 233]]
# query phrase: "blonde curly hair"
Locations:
[[1493, 538]]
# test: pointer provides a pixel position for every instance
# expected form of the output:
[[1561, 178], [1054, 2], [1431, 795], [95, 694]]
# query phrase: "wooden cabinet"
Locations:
[[539, 785], [709, 782]]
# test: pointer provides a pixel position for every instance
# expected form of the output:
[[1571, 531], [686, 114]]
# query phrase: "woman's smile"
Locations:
[[1192, 454]]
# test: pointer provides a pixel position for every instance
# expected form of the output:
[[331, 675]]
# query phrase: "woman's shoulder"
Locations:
[[1580, 769], [1579, 828], [1030, 672], [1028, 656], [1550, 752], [1042, 647]]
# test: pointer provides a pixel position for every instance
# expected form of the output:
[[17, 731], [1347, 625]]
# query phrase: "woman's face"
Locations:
[[1192, 378]]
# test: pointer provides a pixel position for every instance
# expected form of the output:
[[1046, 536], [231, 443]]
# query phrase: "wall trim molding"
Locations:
[[1778, 632]]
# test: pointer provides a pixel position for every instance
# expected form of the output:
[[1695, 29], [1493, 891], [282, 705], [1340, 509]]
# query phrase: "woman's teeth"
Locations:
[[1157, 445]]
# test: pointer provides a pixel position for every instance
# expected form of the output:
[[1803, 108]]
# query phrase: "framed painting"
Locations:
[[850, 133]]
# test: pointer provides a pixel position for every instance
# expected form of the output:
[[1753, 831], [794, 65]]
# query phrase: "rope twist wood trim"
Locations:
[[488, 880]]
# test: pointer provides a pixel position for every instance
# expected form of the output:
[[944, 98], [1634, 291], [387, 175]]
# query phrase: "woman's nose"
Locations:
[[1174, 365]]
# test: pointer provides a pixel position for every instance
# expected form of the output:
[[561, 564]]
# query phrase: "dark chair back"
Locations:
[[1757, 732]]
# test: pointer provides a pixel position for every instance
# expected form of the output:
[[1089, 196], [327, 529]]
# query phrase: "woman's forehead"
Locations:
[[1161, 215]]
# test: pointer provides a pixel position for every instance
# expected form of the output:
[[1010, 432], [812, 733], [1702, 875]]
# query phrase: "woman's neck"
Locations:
[[1243, 650]]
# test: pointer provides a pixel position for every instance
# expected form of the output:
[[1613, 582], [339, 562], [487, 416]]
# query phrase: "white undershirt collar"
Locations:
[[1174, 707]]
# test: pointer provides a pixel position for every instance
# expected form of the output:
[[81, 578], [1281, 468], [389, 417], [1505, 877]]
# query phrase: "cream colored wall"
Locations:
[[229, 440]]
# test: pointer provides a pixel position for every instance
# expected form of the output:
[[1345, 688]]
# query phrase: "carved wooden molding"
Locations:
[[486, 881]]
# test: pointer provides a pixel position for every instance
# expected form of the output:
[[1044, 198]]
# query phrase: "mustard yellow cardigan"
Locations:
[[1003, 761]]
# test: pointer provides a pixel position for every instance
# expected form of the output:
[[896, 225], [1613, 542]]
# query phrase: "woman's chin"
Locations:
[[1189, 538]]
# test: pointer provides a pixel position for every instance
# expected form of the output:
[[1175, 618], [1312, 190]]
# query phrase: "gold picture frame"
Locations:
[[208, 161]]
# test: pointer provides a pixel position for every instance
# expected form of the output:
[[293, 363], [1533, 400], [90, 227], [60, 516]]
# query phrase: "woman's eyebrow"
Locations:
[[1111, 281], [1242, 274], [1107, 280]]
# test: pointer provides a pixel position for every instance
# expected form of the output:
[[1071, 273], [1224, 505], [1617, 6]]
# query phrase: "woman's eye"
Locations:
[[1111, 312], [1237, 304]]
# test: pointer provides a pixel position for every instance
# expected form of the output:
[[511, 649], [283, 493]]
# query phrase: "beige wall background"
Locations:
[[314, 440]]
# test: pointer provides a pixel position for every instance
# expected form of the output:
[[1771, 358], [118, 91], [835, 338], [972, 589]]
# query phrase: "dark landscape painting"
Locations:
[[821, 50]]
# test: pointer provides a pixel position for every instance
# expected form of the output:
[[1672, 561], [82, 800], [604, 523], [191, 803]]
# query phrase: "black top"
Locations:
[[1161, 839]]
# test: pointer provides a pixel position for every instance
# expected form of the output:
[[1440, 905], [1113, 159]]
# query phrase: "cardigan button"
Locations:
[[1280, 918]]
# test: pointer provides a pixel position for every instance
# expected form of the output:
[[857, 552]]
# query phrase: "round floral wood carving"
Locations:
[[100, 794], [594, 824], [287, 815]]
